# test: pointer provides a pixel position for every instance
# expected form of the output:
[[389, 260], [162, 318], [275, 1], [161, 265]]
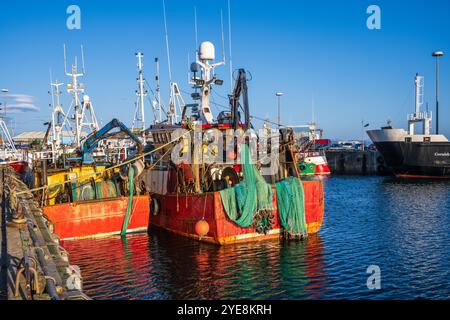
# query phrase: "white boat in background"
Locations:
[[309, 140], [8, 152]]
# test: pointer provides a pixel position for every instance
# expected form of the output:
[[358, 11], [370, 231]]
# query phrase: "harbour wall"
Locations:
[[357, 162], [34, 266]]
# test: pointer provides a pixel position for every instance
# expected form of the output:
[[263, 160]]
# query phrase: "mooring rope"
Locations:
[[107, 169]]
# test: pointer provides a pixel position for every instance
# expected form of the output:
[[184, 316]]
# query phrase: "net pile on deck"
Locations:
[[250, 202], [251, 199]]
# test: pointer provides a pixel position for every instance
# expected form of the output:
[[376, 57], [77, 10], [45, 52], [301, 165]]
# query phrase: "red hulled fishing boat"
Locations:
[[190, 198], [181, 213]]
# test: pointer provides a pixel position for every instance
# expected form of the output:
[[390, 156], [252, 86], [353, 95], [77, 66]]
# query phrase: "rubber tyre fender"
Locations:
[[154, 206]]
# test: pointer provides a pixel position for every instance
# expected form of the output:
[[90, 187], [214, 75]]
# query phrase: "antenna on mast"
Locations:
[[229, 45], [158, 91], [223, 38], [196, 28], [82, 60], [175, 96], [65, 59], [189, 67], [51, 87], [167, 41]]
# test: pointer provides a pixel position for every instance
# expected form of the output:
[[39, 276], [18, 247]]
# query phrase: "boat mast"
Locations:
[[75, 88], [158, 116], [57, 116], [229, 45], [206, 54], [419, 116], [8, 148], [139, 117], [171, 113]]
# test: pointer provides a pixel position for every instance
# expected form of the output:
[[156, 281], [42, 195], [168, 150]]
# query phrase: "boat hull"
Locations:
[[97, 218], [417, 159], [19, 166], [180, 213], [320, 163]]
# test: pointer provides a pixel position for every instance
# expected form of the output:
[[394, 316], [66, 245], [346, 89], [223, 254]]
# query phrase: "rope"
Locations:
[[50, 278], [107, 169], [126, 220]]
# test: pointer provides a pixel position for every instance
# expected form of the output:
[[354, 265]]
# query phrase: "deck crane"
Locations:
[[92, 140], [240, 88]]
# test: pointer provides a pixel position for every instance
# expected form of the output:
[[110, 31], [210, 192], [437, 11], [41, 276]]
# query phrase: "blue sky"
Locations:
[[310, 50]]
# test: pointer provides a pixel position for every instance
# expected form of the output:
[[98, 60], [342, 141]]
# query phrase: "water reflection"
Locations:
[[166, 266], [401, 226]]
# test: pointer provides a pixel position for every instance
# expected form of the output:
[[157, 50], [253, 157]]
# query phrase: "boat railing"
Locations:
[[43, 155], [419, 116]]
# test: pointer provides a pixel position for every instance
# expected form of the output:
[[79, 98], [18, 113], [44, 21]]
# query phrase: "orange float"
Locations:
[[202, 228]]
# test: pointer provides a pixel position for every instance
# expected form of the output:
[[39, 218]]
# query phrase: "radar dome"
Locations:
[[207, 51]]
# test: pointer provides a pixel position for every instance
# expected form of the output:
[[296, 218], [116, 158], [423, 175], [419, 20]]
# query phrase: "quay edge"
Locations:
[[29, 247]]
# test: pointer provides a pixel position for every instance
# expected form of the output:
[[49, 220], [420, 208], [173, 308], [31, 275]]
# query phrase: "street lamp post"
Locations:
[[279, 95], [363, 125], [362, 134], [437, 54]]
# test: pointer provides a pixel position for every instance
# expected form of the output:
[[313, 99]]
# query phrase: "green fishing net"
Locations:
[[249, 197], [291, 206], [253, 196]]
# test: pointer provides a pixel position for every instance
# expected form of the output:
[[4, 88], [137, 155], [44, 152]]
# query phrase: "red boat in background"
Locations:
[[19, 166]]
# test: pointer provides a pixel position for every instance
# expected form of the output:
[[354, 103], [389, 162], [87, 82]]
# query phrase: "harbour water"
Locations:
[[403, 227]]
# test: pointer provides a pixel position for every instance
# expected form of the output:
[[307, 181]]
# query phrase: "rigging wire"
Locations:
[[167, 41]]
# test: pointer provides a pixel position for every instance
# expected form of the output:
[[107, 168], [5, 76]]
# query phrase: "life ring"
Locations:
[[154, 206]]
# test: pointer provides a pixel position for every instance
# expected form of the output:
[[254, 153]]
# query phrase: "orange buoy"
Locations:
[[231, 155], [202, 228]]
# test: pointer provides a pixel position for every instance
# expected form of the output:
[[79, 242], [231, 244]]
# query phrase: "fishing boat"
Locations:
[[91, 199], [411, 154], [89, 188], [9, 155], [312, 160], [191, 198]]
